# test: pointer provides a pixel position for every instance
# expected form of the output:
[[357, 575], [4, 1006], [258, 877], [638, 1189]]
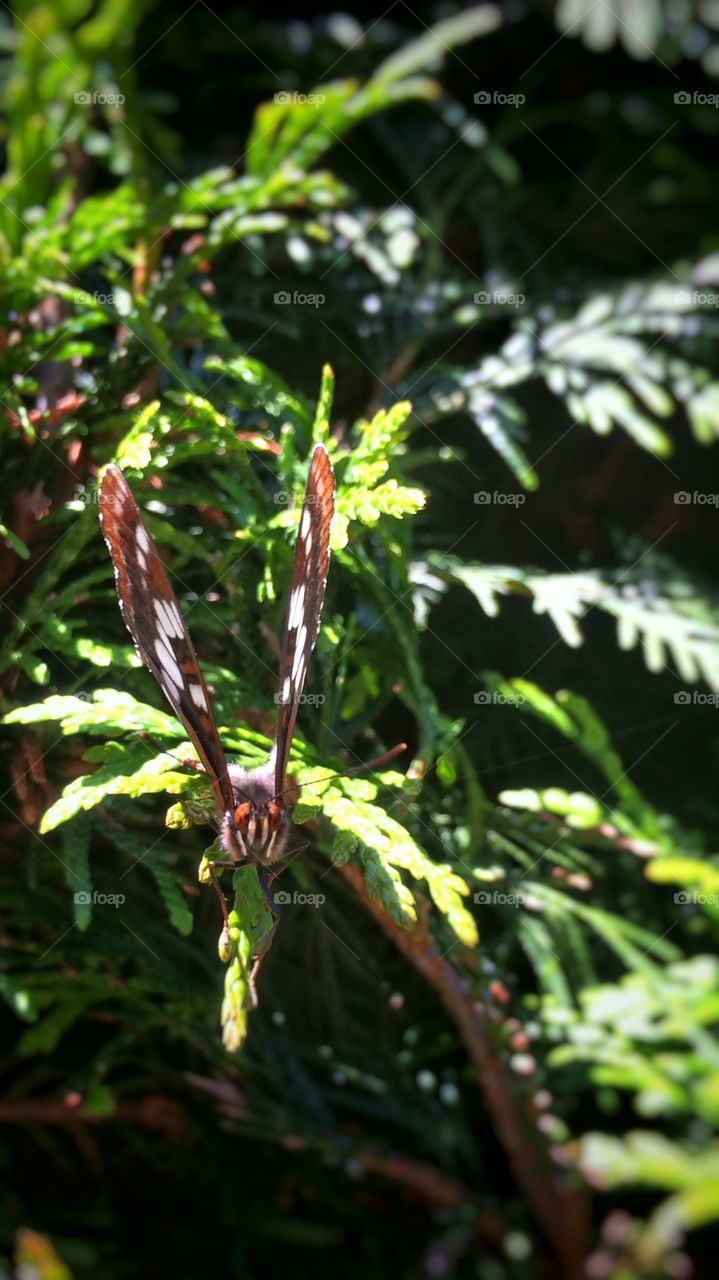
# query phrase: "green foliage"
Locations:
[[248, 935], [651, 1034], [648, 1159], [679, 633], [518, 391]]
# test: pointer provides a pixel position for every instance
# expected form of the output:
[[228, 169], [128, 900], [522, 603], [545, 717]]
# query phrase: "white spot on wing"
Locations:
[[168, 618], [297, 601], [305, 525], [197, 693], [168, 664], [175, 617], [299, 661], [143, 541]]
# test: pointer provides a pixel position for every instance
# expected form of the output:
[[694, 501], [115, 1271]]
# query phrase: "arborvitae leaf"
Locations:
[[166, 878], [76, 860]]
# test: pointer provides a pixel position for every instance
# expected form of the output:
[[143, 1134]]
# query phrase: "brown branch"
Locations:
[[153, 1111], [431, 1184], [416, 1177], [561, 1210]]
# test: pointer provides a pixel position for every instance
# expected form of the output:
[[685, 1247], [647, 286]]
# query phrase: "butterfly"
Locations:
[[250, 815]]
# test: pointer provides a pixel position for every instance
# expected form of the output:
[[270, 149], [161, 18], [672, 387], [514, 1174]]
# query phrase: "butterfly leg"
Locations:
[[257, 961], [264, 885], [220, 896], [233, 866], [286, 858], [220, 866], [263, 946], [266, 878]]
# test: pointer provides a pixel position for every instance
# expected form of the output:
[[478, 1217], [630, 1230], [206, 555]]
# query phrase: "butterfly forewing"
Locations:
[[307, 593], [153, 618]]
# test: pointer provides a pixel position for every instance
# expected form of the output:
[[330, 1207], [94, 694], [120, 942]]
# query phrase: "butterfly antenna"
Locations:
[[358, 768], [186, 762], [146, 737]]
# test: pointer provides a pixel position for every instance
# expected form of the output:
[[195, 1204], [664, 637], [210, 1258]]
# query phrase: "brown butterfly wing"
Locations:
[[304, 607], [153, 618]]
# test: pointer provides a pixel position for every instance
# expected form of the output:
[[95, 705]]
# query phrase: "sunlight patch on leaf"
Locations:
[[158, 774], [109, 710]]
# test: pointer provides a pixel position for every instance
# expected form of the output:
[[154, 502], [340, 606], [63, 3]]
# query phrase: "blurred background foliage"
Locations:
[[474, 251]]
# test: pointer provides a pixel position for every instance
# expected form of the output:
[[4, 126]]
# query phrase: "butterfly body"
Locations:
[[257, 829]]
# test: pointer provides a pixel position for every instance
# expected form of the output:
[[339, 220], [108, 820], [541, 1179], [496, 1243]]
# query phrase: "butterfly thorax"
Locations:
[[256, 829]]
